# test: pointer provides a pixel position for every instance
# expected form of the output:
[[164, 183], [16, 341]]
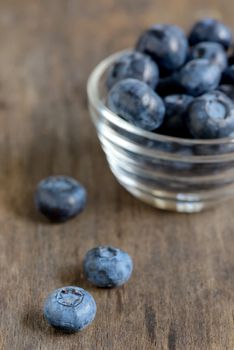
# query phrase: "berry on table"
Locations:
[[70, 309], [107, 267], [60, 198]]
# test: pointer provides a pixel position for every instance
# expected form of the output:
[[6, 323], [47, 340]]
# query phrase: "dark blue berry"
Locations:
[[137, 103], [166, 44], [228, 75], [107, 267], [133, 65], [176, 112], [211, 116], [60, 198], [70, 309], [209, 29], [212, 51], [199, 76]]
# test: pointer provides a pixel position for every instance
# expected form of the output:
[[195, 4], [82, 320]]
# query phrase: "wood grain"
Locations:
[[181, 295]]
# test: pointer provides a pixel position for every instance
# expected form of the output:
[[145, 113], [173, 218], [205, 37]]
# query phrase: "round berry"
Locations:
[[199, 76], [60, 198], [70, 309], [212, 51], [107, 267], [166, 44], [211, 116], [209, 29], [133, 65], [137, 103]]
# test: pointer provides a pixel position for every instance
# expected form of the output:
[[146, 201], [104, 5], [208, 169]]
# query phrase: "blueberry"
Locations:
[[137, 103], [211, 116], [199, 76], [176, 112], [166, 44], [214, 52], [228, 75], [70, 309], [106, 266], [134, 65], [60, 198], [209, 29]]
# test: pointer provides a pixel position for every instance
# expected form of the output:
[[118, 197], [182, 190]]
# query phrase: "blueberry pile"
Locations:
[[177, 85], [172, 85]]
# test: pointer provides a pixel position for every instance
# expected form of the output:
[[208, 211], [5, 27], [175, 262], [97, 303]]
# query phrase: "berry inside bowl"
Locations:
[[168, 172]]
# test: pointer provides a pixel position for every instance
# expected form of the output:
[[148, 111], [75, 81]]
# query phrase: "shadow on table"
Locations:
[[35, 322]]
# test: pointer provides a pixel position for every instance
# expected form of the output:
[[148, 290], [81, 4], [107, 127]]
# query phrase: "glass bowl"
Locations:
[[167, 172]]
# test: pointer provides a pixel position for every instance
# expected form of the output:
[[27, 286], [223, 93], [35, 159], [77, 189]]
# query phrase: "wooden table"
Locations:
[[181, 295]]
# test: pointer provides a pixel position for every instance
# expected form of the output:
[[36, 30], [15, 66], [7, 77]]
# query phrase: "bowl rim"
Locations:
[[95, 99]]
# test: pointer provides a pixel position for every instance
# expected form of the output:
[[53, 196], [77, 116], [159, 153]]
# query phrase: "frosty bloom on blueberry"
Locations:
[[107, 266], [214, 52], [211, 116], [134, 65], [166, 44], [209, 29], [137, 103], [70, 309], [199, 76]]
